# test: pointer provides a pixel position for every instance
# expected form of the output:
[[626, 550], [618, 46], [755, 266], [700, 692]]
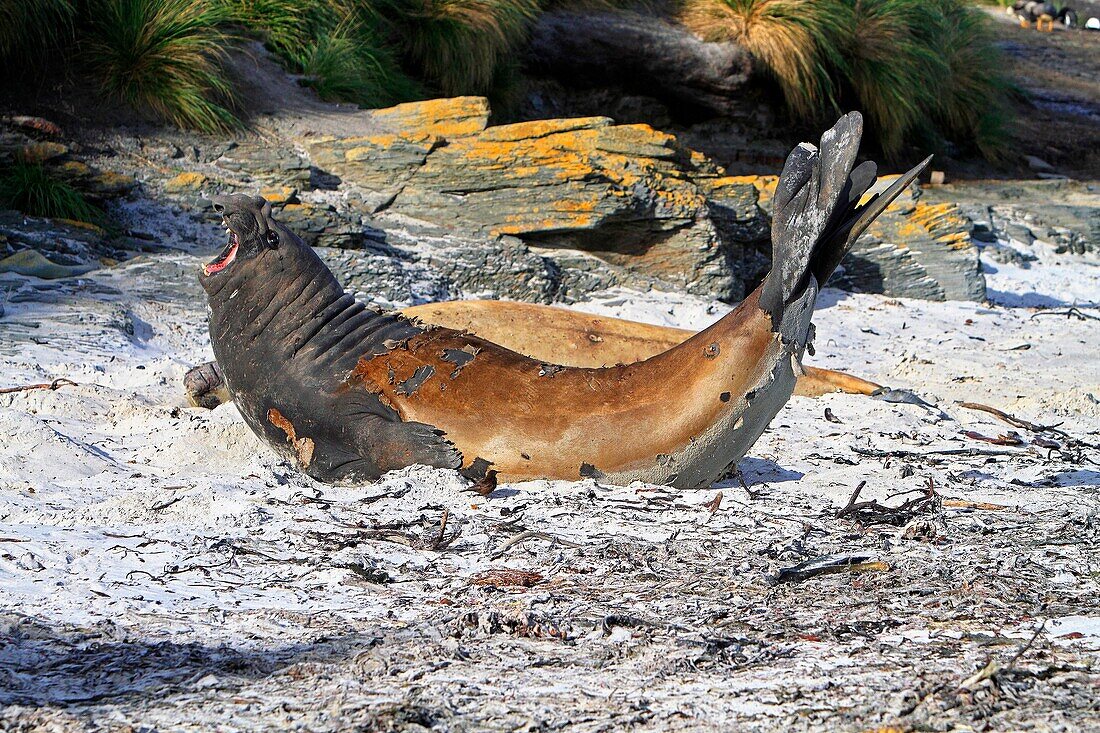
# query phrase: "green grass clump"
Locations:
[[919, 69], [337, 46], [893, 66], [165, 55], [973, 98], [457, 46], [33, 190], [798, 42], [350, 65], [287, 26], [27, 25]]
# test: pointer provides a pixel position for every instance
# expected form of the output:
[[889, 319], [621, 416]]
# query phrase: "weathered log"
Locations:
[[641, 54]]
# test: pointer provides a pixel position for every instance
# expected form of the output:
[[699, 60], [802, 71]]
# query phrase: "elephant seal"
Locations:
[[551, 334], [349, 392], [573, 338]]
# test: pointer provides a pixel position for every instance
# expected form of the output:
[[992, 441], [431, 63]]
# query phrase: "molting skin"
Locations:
[[345, 391]]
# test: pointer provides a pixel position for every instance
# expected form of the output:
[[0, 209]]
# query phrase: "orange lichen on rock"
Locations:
[[560, 175], [447, 118], [944, 222]]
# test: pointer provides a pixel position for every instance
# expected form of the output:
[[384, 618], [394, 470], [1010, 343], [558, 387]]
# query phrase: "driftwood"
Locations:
[[641, 54], [55, 384]]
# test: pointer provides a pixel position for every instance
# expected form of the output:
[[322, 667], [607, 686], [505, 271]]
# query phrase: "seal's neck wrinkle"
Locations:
[[286, 305]]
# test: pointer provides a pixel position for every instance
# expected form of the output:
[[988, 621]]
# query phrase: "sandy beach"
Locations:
[[162, 569]]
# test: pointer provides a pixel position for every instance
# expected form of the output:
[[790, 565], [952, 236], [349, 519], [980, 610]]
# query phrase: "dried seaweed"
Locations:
[[871, 512]]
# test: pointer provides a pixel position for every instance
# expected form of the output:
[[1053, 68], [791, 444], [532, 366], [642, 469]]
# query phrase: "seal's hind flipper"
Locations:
[[813, 188], [857, 218], [817, 215]]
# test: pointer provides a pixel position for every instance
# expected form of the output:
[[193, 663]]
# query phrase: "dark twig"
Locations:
[[1010, 419], [1011, 439], [871, 512], [438, 544], [530, 535], [872, 453], [166, 504], [993, 668], [1071, 312], [753, 495], [1026, 425], [827, 565]]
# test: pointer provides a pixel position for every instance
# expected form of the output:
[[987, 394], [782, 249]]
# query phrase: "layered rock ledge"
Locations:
[[428, 200]]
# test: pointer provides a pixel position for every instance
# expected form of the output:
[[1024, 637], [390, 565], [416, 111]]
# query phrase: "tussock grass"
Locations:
[[33, 190], [922, 70], [919, 69], [459, 46], [349, 64], [336, 45], [893, 66], [288, 27], [25, 24], [796, 40], [165, 55], [973, 98]]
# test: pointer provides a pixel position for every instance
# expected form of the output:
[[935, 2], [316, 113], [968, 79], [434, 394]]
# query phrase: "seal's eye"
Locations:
[[273, 238]]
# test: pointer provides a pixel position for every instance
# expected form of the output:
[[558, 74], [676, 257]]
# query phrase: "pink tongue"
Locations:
[[222, 264]]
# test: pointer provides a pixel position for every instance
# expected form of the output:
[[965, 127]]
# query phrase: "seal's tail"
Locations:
[[817, 214]]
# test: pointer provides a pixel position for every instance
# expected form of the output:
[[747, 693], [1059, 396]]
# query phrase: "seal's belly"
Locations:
[[534, 420]]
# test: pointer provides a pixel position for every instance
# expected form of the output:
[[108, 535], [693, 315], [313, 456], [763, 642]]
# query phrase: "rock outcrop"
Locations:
[[427, 200], [916, 250], [581, 192], [913, 250]]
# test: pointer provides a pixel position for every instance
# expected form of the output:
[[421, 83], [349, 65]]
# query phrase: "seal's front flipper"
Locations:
[[393, 444], [205, 386], [420, 443], [379, 445]]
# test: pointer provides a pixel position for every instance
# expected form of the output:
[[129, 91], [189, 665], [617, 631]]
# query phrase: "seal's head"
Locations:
[[250, 229]]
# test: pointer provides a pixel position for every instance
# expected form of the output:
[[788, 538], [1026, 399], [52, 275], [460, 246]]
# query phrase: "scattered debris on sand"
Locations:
[[161, 568]]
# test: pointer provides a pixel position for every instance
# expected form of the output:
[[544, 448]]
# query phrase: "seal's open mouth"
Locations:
[[226, 257]]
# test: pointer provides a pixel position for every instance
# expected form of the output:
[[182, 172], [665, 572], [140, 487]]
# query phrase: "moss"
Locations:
[[31, 188]]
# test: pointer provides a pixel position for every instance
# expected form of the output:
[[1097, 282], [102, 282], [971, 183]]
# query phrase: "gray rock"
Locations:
[[915, 249], [403, 264], [266, 163], [1038, 165], [63, 243], [639, 53], [624, 199], [1061, 214]]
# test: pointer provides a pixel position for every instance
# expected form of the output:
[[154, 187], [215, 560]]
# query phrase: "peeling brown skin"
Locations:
[[303, 447], [505, 407], [573, 338]]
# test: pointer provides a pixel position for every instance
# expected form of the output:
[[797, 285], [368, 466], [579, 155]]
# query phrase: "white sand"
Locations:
[[159, 566]]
